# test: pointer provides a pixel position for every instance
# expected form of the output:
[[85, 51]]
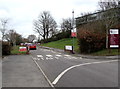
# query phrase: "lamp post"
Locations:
[[73, 28]]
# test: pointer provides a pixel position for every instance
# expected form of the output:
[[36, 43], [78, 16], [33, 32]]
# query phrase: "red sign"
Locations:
[[22, 49], [114, 38], [73, 34]]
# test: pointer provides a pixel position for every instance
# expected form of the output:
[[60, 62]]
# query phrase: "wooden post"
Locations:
[[27, 49]]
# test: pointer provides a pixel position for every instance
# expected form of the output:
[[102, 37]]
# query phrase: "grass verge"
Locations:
[[61, 43], [15, 51], [107, 52], [69, 41]]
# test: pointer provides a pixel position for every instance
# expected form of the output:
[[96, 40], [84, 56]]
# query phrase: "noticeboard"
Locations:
[[22, 49], [114, 38], [67, 47]]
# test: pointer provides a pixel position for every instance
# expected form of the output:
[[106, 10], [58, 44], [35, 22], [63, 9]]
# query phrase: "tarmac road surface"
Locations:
[[65, 70], [48, 68]]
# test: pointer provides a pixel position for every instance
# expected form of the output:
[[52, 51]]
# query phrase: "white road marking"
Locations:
[[47, 58], [35, 58], [58, 55], [74, 57], [49, 55], [53, 51], [42, 58], [67, 55], [43, 74], [80, 57], [62, 73], [39, 56]]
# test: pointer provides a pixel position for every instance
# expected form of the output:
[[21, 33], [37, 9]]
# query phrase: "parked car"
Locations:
[[32, 46]]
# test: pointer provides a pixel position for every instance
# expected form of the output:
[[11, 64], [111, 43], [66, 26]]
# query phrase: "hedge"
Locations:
[[90, 41], [6, 48]]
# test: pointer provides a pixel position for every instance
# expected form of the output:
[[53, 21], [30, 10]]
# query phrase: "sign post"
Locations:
[[24, 49], [114, 38], [69, 48]]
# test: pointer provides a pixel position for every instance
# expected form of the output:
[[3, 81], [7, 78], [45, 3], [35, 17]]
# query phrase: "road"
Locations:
[[48, 68], [64, 70]]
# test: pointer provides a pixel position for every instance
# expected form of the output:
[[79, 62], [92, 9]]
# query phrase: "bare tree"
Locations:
[[107, 4], [45, 24], [31, 38], [66, 25], [11, 36], [110, 14], [3, 27]]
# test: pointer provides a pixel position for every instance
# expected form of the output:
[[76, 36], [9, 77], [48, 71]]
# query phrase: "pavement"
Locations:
[[21, 71], [84, 56]]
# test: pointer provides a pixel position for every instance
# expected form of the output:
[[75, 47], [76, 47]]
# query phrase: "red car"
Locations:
[[32, 47]]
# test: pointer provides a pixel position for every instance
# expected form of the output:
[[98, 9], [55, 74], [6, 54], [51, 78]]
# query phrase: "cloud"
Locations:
[[23, 12]]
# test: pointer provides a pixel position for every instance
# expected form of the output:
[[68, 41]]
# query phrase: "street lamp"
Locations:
[[73, 28]]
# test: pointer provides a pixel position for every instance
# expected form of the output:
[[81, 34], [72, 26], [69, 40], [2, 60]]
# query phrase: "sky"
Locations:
[[21, 13]]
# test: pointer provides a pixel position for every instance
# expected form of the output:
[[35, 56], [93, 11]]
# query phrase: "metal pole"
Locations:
[[73, 28]]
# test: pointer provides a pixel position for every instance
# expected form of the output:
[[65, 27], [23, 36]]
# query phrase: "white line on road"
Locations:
[[42, 58], [39, 56], [58, 55], [62, 73], [43, 73], [49, 55], [67, 55]]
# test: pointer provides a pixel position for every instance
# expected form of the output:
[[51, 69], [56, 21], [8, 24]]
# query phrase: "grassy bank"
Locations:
[[15, 51], [69, 41], [61, 43]]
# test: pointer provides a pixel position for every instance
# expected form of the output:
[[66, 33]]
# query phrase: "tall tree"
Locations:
[[11, 37], [31, 38], [45, 24], [107, 4], [66, 24], [3, 29]]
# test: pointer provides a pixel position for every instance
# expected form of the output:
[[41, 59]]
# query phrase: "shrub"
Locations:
[[90, 41], [6, 48]]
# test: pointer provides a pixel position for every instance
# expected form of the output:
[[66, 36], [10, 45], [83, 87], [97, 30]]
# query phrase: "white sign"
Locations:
[[114, 46], [73, 30], [114, 31], [22, 49], [68, 47]]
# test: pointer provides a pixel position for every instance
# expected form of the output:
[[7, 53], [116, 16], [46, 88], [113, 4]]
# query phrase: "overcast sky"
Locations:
[[21, 13]]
